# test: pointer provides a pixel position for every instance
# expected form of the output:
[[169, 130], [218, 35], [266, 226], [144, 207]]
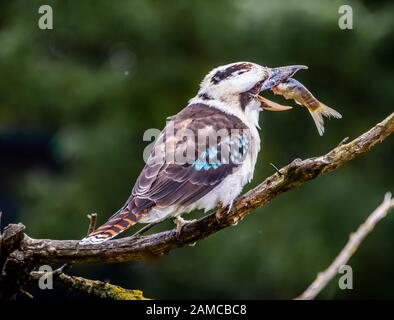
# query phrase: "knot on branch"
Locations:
[[10, 240]]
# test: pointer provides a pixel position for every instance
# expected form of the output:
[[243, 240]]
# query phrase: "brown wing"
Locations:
[[165, 182]]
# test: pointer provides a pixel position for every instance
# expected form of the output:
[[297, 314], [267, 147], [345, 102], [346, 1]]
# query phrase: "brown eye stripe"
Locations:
[[226, 73]]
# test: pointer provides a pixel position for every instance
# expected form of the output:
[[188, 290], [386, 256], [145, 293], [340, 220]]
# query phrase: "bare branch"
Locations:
[[99, 289], [34, 252], [348, 251], [92, 287], [137, 248]]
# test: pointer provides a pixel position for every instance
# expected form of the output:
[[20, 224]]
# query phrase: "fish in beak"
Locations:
[[276, 76], [292, 89]]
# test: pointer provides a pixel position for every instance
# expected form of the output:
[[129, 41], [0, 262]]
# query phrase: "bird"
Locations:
[[186, 170]]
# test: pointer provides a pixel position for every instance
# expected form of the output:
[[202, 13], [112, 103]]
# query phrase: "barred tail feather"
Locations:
[[318, 114], [118, 223]]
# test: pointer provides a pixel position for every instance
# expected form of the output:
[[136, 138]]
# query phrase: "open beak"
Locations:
[[276, 76], [280, 74], [270, 105]]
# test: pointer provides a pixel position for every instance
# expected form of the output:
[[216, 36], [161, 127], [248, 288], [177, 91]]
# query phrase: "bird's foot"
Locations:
[[220, 212], [219, 216], [180, 223]]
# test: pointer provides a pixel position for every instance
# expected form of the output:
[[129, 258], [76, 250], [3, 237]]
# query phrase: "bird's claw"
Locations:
[[180, 224], [219, 214]]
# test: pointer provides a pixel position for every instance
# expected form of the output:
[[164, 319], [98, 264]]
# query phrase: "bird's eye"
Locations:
[[257, 86]]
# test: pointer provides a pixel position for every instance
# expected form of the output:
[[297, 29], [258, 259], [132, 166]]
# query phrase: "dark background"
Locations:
[[75, 102]]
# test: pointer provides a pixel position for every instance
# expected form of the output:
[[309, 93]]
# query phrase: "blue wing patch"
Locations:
[[208, 159]]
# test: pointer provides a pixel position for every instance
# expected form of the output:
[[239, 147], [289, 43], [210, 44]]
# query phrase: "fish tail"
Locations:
[[323, 111]]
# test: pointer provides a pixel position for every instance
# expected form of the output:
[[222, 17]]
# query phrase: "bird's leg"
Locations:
[[180, 223], [219, 213]]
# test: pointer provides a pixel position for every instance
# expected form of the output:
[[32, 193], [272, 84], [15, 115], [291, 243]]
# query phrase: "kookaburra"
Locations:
[[202, 173]]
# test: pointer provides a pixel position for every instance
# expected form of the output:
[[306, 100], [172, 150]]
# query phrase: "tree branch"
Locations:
[[34, 252], [98, 288], [350, 248]]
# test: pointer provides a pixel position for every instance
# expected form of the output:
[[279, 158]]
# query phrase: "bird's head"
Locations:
[[239, 84]]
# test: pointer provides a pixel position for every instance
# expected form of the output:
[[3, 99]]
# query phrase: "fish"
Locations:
[[295, 90]]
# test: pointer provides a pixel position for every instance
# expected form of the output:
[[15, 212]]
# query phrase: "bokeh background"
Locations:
[[76, 100]]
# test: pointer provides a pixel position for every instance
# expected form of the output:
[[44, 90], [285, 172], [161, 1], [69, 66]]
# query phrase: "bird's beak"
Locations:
[[270, 105], [278, 75], [282, 73]]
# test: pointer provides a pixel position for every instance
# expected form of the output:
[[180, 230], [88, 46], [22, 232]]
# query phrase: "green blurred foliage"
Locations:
[[110, 70]]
